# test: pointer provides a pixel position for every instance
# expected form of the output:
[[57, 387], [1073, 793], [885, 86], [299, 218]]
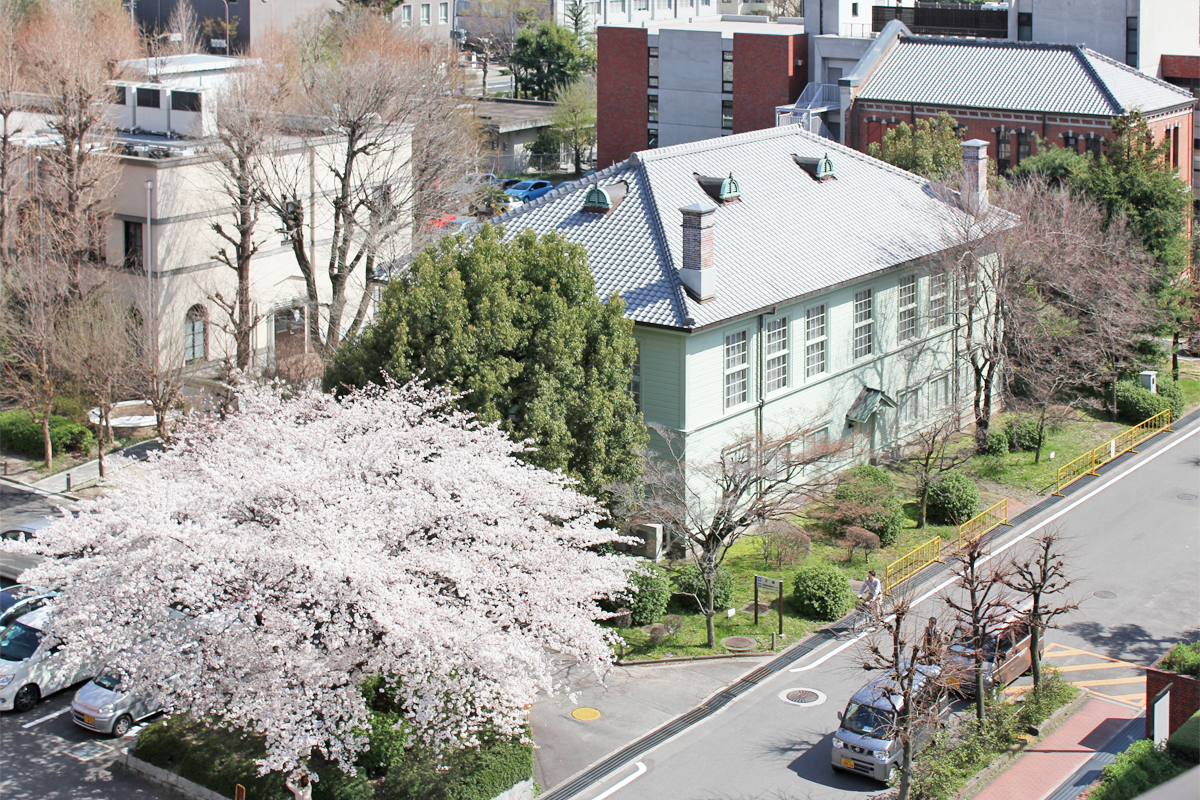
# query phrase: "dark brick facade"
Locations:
[[1185, 696], [621, 105], [768, 71], [1181, 66]]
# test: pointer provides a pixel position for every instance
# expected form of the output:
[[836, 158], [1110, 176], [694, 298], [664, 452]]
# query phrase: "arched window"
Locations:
[[195, 334]]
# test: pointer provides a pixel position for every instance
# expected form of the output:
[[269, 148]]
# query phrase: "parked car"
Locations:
[[17, 601], [508, 183], [865, 741], [1005, 653], [28, 674], [13, 564], [105, 706], [529, 190]]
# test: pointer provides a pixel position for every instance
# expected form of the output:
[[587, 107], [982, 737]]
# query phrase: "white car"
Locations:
[[104, 705], [28, 674]]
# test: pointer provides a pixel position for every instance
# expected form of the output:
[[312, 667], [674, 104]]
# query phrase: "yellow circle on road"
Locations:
[[585, 714]]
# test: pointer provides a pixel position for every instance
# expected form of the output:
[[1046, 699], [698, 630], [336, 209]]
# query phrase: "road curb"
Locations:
[[1010, 757], [166, 778]]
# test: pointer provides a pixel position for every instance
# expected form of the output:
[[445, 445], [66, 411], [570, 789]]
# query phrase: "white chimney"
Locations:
[[699, 272], [975, 165]]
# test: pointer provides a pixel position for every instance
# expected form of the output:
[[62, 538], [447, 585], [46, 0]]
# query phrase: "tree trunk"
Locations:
[[710, 610], [1114, 399], [100, 440], [1035, 639], [923, 510], [979, 696], [46, 440], [906, 759], [1175, 355]]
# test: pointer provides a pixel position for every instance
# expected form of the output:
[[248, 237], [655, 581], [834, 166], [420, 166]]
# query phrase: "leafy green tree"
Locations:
[[931, 149], [1059, 166], [518, 328], [574, 118], [545, 58]]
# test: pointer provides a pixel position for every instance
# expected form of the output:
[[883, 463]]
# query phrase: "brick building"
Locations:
[[668, 83]]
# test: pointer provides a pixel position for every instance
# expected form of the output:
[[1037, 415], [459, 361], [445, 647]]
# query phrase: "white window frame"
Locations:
[[907, 317], [910, 407], [938, 299], [816, 352], [425, 14], [443, 13], [195, 335], [939, 389], [737, 369], [776, 332], [864, 324]]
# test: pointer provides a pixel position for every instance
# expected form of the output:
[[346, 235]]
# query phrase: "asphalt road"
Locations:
[[1134, 536]]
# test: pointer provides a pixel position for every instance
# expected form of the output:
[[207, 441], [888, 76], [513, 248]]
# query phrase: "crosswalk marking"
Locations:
[[1131, 699], [1101, 665], [1113, 682], [1093, 662]]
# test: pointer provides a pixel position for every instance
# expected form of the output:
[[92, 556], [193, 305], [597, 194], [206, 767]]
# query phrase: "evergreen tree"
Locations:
[[931, 149], [518, 327], [545, 58]]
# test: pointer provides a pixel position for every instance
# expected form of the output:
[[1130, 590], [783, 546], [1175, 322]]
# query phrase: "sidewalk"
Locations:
[[90, 471], [1055, 761]]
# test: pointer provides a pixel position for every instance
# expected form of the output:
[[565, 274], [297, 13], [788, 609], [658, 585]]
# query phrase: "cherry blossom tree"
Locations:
[[314, 542]]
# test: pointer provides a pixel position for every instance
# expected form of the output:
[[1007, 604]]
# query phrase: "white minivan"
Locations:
[[28, 674]]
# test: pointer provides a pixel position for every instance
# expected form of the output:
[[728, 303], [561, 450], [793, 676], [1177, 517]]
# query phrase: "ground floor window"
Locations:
[[195, 334]]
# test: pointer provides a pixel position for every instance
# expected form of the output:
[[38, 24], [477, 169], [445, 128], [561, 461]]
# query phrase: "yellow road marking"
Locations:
[[1132, 699], [1082, 667], [1070, 651], [1113, 682]]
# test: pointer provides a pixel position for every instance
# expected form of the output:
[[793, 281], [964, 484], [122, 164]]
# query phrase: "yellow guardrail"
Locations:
[[1089, 462], [910, 564], [978, 525]]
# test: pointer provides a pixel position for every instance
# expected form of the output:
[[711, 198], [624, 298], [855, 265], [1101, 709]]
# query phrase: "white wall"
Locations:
[[689, 84], [1167, 27]]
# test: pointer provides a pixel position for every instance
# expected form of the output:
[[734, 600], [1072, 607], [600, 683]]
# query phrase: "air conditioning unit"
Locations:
[[652, 541]]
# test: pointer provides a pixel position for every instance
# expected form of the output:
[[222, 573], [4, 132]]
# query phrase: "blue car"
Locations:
[[529, 190]]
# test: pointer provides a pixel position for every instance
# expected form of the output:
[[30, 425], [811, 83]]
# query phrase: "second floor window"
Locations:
[[727, 71], [405, 16], [652, 68], [908, 307], [864, 324], [737, 370], [652, 102], [443, 13], [777, 354], [814, 340], [134, 245], [651, 138], [727, 115], [425, 13]]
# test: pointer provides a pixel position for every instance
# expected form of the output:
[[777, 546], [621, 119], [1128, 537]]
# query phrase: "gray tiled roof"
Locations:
[[788, 236], [1014, 76]]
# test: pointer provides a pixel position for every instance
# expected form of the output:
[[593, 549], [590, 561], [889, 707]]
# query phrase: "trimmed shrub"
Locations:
[[688, 581], [997, 443], [474, 774], [20, 434], [648, 604], [782, 544], [216, 758], [1184, 659], [1022, 434], [856, 538], [1135, 404], [1184, 743], [822, 592], [866, 497], [1136, 771], [954, 499]]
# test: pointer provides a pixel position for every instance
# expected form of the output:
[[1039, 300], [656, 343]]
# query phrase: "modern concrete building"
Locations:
[[250, 20], [167, 196], [1007, 93], [666, 83], [434, 19], [772, 280], [511, 127]]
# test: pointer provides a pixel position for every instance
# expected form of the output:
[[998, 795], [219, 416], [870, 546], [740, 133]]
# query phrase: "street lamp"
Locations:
[[226, 2]]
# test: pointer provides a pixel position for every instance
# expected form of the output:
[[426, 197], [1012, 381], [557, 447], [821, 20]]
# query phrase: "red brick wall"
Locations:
[[1181, 66], [980, 123], [1185, 696], [765, 75], [621, 80]]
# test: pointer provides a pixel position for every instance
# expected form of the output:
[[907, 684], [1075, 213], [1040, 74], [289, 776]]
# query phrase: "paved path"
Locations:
[[1042, 768], [90, 470]]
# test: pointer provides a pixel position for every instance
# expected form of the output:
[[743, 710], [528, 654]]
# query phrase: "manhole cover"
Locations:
[[1186, 496], [585, 714], [739, 644], [1104, 594], [802, 697]]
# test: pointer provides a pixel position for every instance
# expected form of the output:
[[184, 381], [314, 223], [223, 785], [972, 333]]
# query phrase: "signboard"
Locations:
[[768, 584], [218, 44]]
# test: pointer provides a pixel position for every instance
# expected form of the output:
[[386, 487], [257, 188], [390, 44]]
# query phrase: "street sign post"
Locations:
[[770, 585]]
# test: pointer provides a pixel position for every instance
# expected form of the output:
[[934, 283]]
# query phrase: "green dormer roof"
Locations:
[[723, 190]]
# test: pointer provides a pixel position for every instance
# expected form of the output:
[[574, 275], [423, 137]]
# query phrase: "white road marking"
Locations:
[[40, 720], [641, 770]]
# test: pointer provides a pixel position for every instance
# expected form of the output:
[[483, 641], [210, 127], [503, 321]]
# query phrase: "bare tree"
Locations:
[[369, 90], [709, 506], [72, 50], [100, 357], [981, 610], [1043, 577], [494, 25], [12, 82], [914, 668], [183, 29], [932, 452], [247, 137], [36, 302]]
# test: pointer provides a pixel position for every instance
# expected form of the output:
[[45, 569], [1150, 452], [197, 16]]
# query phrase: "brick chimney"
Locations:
[[699, 272], [974, 195]]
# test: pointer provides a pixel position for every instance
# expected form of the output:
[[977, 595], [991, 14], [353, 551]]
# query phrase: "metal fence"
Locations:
[[931, 552], [1089, 462], [910, 564], [977, 526]]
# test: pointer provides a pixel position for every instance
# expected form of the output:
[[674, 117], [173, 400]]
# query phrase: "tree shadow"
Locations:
[[1128, 641], [812, 761]]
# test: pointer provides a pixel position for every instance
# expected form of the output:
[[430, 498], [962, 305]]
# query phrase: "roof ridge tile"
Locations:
[[1090, 53]]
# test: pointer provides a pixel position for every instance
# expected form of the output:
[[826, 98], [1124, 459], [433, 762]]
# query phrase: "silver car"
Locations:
[[103, 706], [13, 564]]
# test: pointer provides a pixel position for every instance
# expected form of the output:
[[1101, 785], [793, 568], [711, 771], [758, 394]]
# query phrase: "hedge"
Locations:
[[221, 758], [1185, 742], [688, 581], [954, 499], [1136, 771], [822, 592], [20, 434], [1022, 433], [1184, 659], [649, 603], [1135, 404]]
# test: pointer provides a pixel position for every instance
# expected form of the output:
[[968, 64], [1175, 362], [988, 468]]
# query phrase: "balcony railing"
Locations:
[[816, 98]]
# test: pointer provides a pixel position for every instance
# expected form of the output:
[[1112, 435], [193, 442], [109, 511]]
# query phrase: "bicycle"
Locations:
[[868, 616]]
